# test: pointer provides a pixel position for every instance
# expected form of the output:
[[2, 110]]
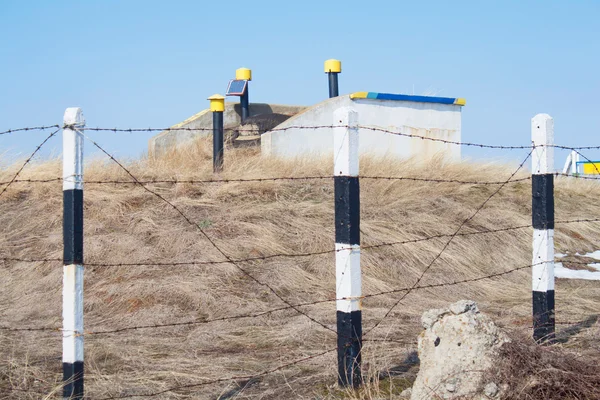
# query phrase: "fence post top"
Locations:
[[540, 118], [542, 129], [345, 116], [74, 116]]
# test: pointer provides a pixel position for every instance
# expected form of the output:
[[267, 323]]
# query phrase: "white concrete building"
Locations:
[[418, 116]]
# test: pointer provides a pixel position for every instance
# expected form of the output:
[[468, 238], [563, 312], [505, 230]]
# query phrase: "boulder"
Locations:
[[456, 349]]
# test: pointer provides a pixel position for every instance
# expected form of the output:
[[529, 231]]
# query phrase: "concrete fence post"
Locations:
[[571, 163], [347, 245], [542, 207], [217, 106], [72, 333], [574, 161]]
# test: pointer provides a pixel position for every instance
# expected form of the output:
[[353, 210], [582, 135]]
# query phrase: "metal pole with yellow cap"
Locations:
[[332, 69], [244, 74], [217, 106]]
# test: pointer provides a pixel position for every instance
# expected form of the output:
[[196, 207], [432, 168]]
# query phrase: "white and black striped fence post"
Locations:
[[542, 207], [347, 245], [73, 254]]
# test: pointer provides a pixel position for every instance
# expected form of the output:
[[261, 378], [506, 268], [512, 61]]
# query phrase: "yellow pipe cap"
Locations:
[[333, 66], [243, 74], [217, 103]]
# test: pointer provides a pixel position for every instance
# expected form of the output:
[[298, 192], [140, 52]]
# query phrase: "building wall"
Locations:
[[434, 120], [202, 121]]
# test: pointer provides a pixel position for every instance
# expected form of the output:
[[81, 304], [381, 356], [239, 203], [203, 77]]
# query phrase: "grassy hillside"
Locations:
[[126, 224]]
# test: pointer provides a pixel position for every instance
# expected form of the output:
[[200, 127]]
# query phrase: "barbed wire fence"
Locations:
[[238, 262]]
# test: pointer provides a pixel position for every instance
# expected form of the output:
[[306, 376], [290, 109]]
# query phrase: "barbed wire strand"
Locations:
[[592, 178], [580, 220], [445, 141], [378, 294], [218, 380], [270, 256], [30, 260], [50, 180], [33, 128], [315, 253], [266, 179], [27, 161], [283, 129], [439, 254], [195, 385], [308, 254], [293, 255], [31, 329], [242, 180], [558, 146], [365, 127], [266, 312], [587, 263]]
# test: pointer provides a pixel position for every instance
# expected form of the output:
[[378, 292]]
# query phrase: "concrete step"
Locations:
[[253, 140]]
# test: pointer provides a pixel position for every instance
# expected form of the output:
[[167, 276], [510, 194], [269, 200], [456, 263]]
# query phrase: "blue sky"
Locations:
[[153, 63]]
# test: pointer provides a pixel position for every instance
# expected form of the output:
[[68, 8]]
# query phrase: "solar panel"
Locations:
[[236, 87]]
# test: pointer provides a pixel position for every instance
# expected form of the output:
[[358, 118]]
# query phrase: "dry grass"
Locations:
[[127, 224], [535, 372]]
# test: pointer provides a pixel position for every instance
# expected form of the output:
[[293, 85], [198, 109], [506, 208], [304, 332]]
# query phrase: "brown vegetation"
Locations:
[[532, 372], [125, 224]]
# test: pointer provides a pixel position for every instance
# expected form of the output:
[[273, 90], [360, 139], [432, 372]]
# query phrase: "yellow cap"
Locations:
[[333, 66], [217, 103], [243, 74]]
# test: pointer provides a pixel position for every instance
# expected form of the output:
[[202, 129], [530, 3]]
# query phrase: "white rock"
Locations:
[[491, 389], [462, 306], [432, 316], [456, 349]]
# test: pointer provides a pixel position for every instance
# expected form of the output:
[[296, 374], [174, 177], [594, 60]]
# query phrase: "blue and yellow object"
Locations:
[[588, 167], [405, 97]]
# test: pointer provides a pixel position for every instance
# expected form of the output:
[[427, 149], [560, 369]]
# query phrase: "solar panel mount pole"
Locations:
[[333, 68], [217, 106], [245, 104], [244, 74]]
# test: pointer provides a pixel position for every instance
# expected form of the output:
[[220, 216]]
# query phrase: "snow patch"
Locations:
[[561, 272], [595, 255]]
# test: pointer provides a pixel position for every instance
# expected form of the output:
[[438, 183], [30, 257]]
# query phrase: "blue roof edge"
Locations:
[[405, 97]]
